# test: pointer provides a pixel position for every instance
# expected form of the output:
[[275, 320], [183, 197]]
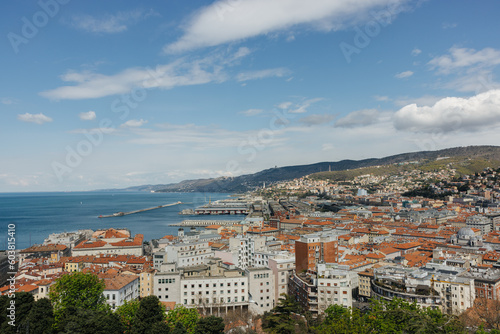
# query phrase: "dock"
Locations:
[[120, 214], [195, 223]]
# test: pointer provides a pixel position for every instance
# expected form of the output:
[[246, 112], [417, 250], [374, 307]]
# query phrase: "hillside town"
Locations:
[[321, 242]]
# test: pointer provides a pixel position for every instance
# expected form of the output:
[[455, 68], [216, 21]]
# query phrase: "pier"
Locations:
[[120, 214], [195, 223]]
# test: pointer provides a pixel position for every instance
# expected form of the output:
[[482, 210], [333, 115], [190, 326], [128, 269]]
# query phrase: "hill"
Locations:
[[467, 159]]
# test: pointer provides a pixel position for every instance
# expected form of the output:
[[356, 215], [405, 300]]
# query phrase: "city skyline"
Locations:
[[122, 93]]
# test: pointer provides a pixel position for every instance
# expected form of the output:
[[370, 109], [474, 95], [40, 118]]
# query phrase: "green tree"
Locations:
[[78, 290], [285, 318], [149, 312], [160, 328], [22, 304], [87, 321], [210, 325], [187, 316], [127, 313], [179, 328], [40, 319]]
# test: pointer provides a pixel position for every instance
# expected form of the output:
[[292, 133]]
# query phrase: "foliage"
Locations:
[[23, 303], [77, 290], [179, 328], [160, 327], [88, 321], [395, 316], [127, 313], [149, 312], [426, 192], [40, 319], [210, 325], [187, 316], [285, 317], [484, 313]]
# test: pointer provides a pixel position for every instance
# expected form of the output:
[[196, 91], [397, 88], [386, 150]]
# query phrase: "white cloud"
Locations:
[[447, 25], [284, 105], [463, 58], [87, 116], [201, 137], [34, 118], [251, 112], [358, 118], [109, 24], [425, 100], [405, 74], [105, 130], [468, 70], [242, 52], [416, 52], [451, 114], [302, 107], [381, 98], [8, 100], [181, 72], [226, 21], [261, 74], [134, 123], [317, 119]]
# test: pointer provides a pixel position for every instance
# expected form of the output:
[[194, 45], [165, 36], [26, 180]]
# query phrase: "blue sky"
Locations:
[[120, 93]]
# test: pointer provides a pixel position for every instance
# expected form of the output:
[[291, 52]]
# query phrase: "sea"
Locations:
[[34, 216]]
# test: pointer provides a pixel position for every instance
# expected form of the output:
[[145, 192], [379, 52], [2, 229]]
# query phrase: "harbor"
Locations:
[[120, 214], [221, 207], [198, 223]]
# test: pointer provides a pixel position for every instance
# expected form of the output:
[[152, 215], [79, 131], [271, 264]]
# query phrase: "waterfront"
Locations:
[[36, 215]]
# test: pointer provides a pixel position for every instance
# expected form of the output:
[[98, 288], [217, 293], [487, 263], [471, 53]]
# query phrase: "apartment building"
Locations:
[[282, 267], [261, 289], [188, 253], [121, 288], [313, 248]]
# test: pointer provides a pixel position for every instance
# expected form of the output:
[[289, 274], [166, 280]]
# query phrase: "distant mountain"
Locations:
[[251, 181]]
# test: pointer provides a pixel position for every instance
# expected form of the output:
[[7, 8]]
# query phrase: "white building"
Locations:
[[457, 293], [167, 284], [209, 287], [480, 222], [110, 241], [188, 254], [262, 293], [121, 288], [335, 286], [282, 266], [242, 250]]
